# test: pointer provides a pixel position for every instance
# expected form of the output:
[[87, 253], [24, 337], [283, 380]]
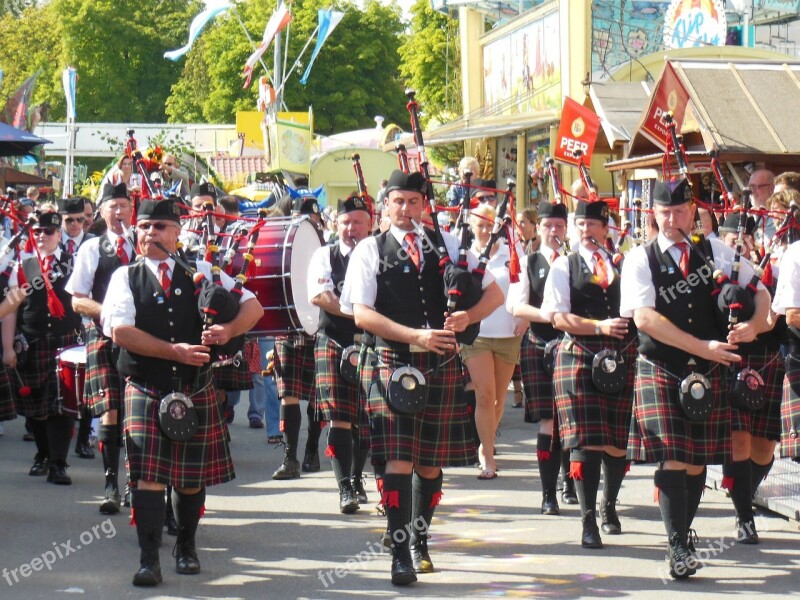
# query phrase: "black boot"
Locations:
[[148, 511], [82, 447], [290, 424], [108, 440], [613, 473], [425, 496], [340, 451], [187, 512], [568, 495], [586, 486], [360, 455], [738, 476], [59, 434], [170, 521], [41, 463], [311, 455], [695, 484], [672, 502], [759, 473], [548, 473], [397, 503]]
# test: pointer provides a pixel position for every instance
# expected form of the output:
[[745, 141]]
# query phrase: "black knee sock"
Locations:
[[188, 508], [425, 496], [314, 428], [290, 424], [397, 503], [613, 473], [672, 501], [695, 484], [340, 451], [548, 462], [59, 434], [39, 431], [360, 453], [587, 484], [108, 440], [84, 427], [759, 473], [147, 508], [564, 461], [741, 493]]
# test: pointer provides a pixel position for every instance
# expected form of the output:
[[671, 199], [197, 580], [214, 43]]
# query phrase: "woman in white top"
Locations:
[[492, 357], [123, 173]]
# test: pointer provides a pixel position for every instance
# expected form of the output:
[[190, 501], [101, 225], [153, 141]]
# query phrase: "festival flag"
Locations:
[[15, 112], [213, 8], [669, 96], [69, 78], [577, 131], [328, 20], [279, 19]]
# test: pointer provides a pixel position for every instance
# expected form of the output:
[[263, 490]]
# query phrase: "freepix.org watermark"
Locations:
[[60, 551]]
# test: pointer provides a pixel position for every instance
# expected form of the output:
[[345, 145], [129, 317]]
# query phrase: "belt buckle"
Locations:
[[358, 338]]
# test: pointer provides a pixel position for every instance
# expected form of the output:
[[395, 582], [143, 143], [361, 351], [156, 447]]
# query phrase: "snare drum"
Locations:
[[281, 259], [71, 377]]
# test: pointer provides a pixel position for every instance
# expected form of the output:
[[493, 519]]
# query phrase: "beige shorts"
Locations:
[[506, 349]]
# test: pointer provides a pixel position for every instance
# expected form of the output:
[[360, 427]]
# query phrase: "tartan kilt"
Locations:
[[39, 373], [587, 416], [203, 460], [104, 385], [663, 433], [538, 385], [790, 409], [336, 400], [440, 435], [8, 409], [234, 377], [294, 367], [765, 422]]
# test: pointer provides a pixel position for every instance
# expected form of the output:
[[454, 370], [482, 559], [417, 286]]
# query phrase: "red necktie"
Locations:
[[412, 250], [71, 246], [163, 277], [600, 271], [683, 263], [554, 257], [123, 256], [48, 264]]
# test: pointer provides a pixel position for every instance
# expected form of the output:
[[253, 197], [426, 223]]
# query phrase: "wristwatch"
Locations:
[[597, 328]]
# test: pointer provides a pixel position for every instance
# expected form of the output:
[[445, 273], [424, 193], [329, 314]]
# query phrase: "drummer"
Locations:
[[191, 234], [97, 260], [29, 308]]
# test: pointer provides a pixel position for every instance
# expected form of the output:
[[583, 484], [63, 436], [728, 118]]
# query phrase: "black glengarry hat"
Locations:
[[552, 211], [204, 189], [50, 219], [112, 192], [71, 206], [731, 224], [481, 186], [352, 203], [672, 193], [592, 210], [410, 182], [161, 210]]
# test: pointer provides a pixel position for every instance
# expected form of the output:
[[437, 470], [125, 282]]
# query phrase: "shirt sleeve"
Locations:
[[556, 289], [518, 293], [636, 284], [787, 294], [320, 273], [118, 306], [360, 282], [86, 261]]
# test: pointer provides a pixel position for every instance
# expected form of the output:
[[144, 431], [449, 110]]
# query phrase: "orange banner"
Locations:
[[577, 131], [668, 96]]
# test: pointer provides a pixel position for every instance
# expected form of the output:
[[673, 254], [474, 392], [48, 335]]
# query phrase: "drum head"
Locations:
[[304, 243], [74, 355]]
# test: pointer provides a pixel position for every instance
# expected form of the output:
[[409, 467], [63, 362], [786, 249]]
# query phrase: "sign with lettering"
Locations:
[[695, 23], [669, 96], [577, 131]]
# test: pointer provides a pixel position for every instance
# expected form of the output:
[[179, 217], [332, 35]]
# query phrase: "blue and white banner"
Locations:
[[69, 78], [328, 20], [213, 8]]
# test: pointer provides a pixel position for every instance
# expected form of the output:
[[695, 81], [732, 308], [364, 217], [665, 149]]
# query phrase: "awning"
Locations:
[[9, 176], [619, 104]]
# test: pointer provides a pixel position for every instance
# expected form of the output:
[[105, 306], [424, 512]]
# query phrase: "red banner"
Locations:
[[577, 132], [15, 112], [668, 96]]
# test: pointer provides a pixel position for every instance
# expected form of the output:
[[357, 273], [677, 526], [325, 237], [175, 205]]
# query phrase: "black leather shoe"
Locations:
[[110, 505], [40, 466], [289, 469], [403, 572], [348, 503], [549, 503], [148, 576], [58, 474], [311, 461], [681, 563], [608, 513], [84, 451], [186, 561], [568, 495], [358, 488], [746, 532], [420, 557], [590, 537]]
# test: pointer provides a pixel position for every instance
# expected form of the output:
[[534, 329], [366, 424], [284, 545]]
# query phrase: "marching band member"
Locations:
[[667, 289], [96, 261], [581, 298], [403, 305], [29, 306], [525, 300], [151, 312], [338, 400]]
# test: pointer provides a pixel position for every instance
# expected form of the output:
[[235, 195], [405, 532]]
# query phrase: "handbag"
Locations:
[[348, 365], [695, 397], [177, 417], [609, 371], [550, 351], [747, 391], [407, 392]]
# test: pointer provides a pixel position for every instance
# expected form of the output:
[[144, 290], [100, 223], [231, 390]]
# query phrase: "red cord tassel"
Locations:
[[436, 498], [202, 511], [627, 467], [576, 470], [100, 446], [727, 483], [768, 278], [379, 486], [514, 268], [330, 451], [543, 455], [54, 304], [282, 426], [390, 499], [656, 494], [133, 517]]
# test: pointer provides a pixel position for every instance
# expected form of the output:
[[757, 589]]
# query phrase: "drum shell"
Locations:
[[71, 366]]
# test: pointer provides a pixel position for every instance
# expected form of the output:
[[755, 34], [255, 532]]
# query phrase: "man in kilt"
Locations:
[[525, 300], [667, 288], [581, 298], [394, 289], [294, 375], [38, 307], [97, 260], [787, 302], [151, 313], [338, 400], [755, 433]]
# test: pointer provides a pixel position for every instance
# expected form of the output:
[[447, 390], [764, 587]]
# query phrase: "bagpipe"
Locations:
[[361, 184]]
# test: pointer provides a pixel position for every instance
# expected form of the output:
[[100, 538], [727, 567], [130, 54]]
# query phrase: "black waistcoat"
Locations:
[[405, 296], [690, 308], [174, 319], [538, 269], [33, 318], [338, 328], [107, 263], [586, 298]]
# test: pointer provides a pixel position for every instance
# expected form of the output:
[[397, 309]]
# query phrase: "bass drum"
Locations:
[[279, 274], [71, 367]]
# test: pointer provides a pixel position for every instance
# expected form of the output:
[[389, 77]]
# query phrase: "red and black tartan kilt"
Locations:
[[765, 422], [663, 433], [587, 416], [104, 385], [8, 409], [294, 366], [539, 398], [336, 400], [234, 377], [39, 373], [790, 408], [205, 459], [440, 435]]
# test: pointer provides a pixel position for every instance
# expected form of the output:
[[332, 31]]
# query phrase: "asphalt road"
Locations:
[[268, 539]]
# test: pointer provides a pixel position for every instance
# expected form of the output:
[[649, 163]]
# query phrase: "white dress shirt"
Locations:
[[787, 295], [556, 288], [320, 271], [86, 262], [519, 293]]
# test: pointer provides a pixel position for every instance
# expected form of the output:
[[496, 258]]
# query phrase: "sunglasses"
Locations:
[[157, 226], [48, 231], [169, 164], [75, 219], [487, 198]]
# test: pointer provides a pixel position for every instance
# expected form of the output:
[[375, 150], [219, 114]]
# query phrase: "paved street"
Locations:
[[267, 539]]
